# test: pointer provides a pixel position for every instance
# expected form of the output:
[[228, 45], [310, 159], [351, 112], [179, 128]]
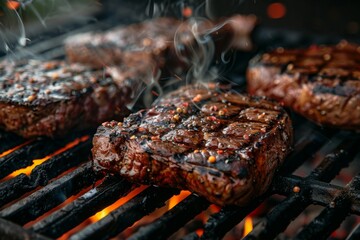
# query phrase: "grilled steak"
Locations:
[[153, 37], [321, 82], [51, 98], [223, 146]]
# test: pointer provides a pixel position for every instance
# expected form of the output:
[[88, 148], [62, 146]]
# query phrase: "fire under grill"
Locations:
[[48, 189]]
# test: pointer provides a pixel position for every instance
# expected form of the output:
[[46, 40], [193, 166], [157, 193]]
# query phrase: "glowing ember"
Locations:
[[103, 213], [276, 10], [178, 198], [13, 5], [37, 162], [14, 149], [200, 232], [248, 226], [187, 12]]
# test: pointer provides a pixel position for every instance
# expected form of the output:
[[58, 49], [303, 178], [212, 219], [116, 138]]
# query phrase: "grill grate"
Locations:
[[26, 200]]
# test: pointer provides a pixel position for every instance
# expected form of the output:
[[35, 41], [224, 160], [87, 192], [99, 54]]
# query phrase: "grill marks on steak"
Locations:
[[320, 82], [223, 146], [51, 98]]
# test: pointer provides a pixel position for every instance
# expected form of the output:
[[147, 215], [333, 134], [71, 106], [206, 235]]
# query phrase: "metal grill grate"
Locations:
[[26, 199]]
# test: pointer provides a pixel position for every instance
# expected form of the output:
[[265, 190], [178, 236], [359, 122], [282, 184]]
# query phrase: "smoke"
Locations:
[[22, 20]]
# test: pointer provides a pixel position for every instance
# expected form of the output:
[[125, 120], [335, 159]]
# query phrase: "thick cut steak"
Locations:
[[52, 98], [222, 145], [321, 83]]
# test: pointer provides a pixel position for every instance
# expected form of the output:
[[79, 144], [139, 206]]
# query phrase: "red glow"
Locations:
[[276, 10], [187, 12]]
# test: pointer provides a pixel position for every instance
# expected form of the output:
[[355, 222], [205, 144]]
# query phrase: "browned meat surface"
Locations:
[[154, 38], [321, 82], [223, 146], [52, 98]]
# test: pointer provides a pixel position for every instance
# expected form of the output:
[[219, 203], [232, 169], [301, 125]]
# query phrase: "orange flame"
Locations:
[[177, 198], [199, 232], [13, 5], [37, 162], [103, 213], [204, 217], [14, 149], [248, 226]]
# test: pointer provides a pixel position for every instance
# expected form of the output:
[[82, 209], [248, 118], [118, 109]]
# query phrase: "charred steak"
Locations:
[[51, 98], [321, 82], [223, 146]]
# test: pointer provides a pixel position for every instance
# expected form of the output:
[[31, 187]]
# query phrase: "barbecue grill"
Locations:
[[49, 190]]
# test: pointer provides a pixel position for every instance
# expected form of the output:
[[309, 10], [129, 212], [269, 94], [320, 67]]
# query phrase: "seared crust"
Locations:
[[321, 83], [52, 98], [223, 146]]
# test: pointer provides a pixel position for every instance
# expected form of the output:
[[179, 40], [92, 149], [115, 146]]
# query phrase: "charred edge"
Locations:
[[338, 90]]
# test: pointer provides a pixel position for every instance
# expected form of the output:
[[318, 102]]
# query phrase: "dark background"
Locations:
[[331, 18]]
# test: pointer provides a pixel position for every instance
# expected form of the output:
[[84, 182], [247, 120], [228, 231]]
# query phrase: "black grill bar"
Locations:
[[172, 220], [332, 216], [59, 222], [220, 223], [24, 156], [126, 215], [308, 140], [12, 231], [41, 201], [41, 174], [310, 191], [9, 141]]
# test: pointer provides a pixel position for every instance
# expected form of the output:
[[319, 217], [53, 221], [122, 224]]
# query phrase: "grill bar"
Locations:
[[9, 141], [126, 215], [41, 174], [172, 220], [311, 190], [24, 156], [314, 189], [12, 231], [110, 190], [220, 223], [50, 196], [332, 216]]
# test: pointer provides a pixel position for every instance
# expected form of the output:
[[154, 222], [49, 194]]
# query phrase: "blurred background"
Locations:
[[26, 20]]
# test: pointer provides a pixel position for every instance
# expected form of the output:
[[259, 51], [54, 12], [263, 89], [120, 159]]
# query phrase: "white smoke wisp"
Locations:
[[195, 45], [22, 20]]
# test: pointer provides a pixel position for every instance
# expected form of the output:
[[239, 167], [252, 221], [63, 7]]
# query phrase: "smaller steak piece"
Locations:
[[223, 146], [98, 49], [321, 83], [51, 98]]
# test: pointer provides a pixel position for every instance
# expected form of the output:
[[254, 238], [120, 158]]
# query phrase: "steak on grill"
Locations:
[[155, 38], [321, 82], [51, 98], [222, 145], [98, 49]]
